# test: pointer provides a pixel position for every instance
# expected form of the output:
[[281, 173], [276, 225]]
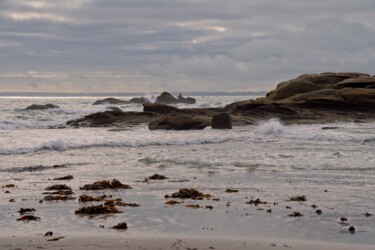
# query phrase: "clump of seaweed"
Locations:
[[58, 187], [189, 193], [105, 184], [100, 209]]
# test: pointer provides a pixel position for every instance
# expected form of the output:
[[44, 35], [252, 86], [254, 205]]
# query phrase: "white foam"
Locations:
[[271, 127]]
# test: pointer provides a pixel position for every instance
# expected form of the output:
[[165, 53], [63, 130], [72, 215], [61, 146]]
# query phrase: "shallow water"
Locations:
[[333, 168]]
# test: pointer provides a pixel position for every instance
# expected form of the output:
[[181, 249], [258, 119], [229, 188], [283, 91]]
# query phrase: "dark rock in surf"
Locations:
[[42, 106], [222, 121], [139, 100], [159, 108], [168, 98], [110, 100], [179, 123]]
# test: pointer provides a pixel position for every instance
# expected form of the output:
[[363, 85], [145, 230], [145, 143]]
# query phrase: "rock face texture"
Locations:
[[42, 106], [168, 98], [179, 123], [222, 121], [309, 98]]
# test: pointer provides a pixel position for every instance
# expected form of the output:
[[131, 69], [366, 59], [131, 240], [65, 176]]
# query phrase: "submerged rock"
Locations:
[[58, 187], [42, 106]]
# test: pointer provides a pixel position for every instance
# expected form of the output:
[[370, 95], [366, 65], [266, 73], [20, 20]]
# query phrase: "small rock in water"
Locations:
[[295, 214], [121, 225], [256, 202], [157, 177], [50, 233], [351, 229], [343, 219], [298, 198], [230, 190], [318, 212], [100, 209]]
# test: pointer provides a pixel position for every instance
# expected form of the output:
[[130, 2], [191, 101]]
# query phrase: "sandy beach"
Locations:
[[169, 243]]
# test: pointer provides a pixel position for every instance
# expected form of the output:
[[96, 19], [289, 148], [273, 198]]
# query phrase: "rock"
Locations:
[[121, 225], [351, 229], [361, 82], [323, 97], [179, 123], [168, 98], [157, 177], [99, 185], [159, 108], [50, 233], [230, 190], [110, 100], [222, 121], [291, 88], [359, 96], [139, 100], [115, 109], [42, 106], [295, 214]]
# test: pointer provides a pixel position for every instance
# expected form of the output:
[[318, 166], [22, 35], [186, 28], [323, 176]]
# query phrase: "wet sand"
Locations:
[[169, 243]]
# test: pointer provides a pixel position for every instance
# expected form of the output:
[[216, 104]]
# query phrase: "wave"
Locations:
[[31, 168], [271, 127]]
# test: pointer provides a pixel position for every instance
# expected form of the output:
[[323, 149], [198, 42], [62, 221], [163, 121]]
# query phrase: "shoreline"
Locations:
[[155, 243]]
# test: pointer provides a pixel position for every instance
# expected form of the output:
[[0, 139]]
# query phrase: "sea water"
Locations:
[[334, 168]]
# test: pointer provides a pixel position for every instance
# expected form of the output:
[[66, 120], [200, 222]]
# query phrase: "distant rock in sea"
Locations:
[[179, 123], [42, 106], [168, 98], [115, 101], [222, 121]]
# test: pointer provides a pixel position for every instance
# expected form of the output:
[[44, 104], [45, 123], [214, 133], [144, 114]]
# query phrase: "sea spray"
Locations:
[[272, 127]]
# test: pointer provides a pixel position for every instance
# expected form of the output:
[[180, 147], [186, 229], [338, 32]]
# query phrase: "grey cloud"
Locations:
[[181, 45]]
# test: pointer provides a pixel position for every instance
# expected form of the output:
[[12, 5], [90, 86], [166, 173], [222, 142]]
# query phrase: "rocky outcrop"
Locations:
[[309, 98], [42, 106], [222, 121], [110, 100], [168, 98], [115, 101], [158, 108], [139, 100], [179, 123]]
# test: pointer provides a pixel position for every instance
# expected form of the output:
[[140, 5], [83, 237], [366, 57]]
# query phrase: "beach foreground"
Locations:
[[170, 243]]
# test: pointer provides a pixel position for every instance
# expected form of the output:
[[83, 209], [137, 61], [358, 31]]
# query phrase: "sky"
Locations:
[[179, 45]]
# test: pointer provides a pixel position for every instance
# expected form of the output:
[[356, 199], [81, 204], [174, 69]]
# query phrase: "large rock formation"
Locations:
[[42, 106], [168, 98], [309, 98]]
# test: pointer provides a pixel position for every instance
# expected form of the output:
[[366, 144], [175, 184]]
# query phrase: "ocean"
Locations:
[[332, 165]]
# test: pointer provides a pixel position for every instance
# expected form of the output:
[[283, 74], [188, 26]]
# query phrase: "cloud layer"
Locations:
[[185, 45]]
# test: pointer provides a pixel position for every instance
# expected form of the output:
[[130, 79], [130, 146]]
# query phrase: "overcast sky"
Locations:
[[179, 45]]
